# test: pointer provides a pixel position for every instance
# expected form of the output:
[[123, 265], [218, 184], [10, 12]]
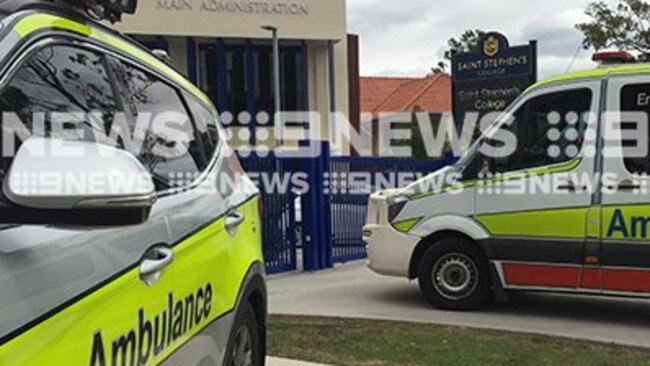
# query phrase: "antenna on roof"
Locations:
[[575, 56]]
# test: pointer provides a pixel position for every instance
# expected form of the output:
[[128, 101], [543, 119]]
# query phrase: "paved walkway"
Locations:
[[272, 361], [354, 291]]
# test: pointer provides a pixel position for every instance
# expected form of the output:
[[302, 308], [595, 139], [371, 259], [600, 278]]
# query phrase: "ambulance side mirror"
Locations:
[[54, 181]]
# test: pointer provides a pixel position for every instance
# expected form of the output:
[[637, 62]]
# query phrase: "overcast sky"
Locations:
[[406, 37]]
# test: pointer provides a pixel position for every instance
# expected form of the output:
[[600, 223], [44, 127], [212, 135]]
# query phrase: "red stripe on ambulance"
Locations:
[[541, 275]]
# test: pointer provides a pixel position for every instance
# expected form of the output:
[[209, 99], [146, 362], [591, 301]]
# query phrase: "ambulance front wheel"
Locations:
[[245, 345], [454, 275]]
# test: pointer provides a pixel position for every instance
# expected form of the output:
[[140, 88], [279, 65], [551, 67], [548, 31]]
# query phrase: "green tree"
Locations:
[[625, 26], [467, 42], [417, 140]]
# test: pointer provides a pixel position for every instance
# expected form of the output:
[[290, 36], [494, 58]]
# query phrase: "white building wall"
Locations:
[[316, 21]]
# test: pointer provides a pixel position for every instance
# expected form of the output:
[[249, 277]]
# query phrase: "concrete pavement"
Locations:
[[353, 291], [272, 361]]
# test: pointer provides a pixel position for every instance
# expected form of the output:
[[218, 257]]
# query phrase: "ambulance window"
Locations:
[[59, 90], [635, 98], [549, 129], [162, 126], [206, 125], [212, 135]]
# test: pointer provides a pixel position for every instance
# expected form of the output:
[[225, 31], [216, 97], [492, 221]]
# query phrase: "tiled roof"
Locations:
[[386, 94]]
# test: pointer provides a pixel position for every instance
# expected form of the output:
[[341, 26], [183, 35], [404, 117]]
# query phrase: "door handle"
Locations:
[[154, 262], [571, 187], [233, 220], [626, 186]]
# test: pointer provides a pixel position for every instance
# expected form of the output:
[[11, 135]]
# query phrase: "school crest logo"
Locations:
[[491, 46]]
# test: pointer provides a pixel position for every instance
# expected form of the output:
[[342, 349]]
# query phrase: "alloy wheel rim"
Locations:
[[242, 353]]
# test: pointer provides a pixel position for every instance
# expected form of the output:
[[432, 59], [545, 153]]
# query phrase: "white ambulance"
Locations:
[[567, 211]]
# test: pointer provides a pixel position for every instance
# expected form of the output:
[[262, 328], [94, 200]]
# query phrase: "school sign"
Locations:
[[491, 79]]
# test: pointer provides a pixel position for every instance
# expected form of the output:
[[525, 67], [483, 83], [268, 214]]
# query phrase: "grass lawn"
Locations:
[[374, 343]]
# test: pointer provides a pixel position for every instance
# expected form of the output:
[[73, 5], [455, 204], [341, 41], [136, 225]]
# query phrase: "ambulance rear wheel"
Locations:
[[454, 275]]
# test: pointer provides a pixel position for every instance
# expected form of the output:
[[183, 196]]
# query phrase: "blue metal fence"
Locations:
[[333, 210], [357, 178], [279, 215]]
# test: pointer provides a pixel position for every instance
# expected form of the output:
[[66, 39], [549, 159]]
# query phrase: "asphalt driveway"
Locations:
[[354, 291]]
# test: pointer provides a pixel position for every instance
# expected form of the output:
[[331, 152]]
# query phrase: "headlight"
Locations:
[[395, 206]]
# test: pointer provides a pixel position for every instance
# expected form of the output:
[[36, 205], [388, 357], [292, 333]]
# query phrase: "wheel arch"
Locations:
[[254, 292], [442, 227], [256, 296]]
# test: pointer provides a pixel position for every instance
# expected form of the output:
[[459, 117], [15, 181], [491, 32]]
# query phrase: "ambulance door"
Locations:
[[195, 210], [536, 203], [78, 294], [625, 201]]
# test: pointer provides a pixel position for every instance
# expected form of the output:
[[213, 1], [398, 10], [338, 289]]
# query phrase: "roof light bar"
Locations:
[[613, 57]]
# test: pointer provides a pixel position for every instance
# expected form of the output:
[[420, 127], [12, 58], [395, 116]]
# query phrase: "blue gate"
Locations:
[[279, 214], [357, 178], [333, 209]]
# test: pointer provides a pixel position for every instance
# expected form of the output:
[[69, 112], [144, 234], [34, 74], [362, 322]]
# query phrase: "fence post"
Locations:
[[289, 165], [325, 206], [310, 226], [316, 207]]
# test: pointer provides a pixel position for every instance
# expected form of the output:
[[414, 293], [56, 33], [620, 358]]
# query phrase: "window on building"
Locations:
[[549, 130], [208, 81], [292, 83], [247, 80], [236, 76], [264, 87]]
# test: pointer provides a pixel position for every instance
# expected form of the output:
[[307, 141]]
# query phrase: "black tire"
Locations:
[[245, 347], [454, 275]]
